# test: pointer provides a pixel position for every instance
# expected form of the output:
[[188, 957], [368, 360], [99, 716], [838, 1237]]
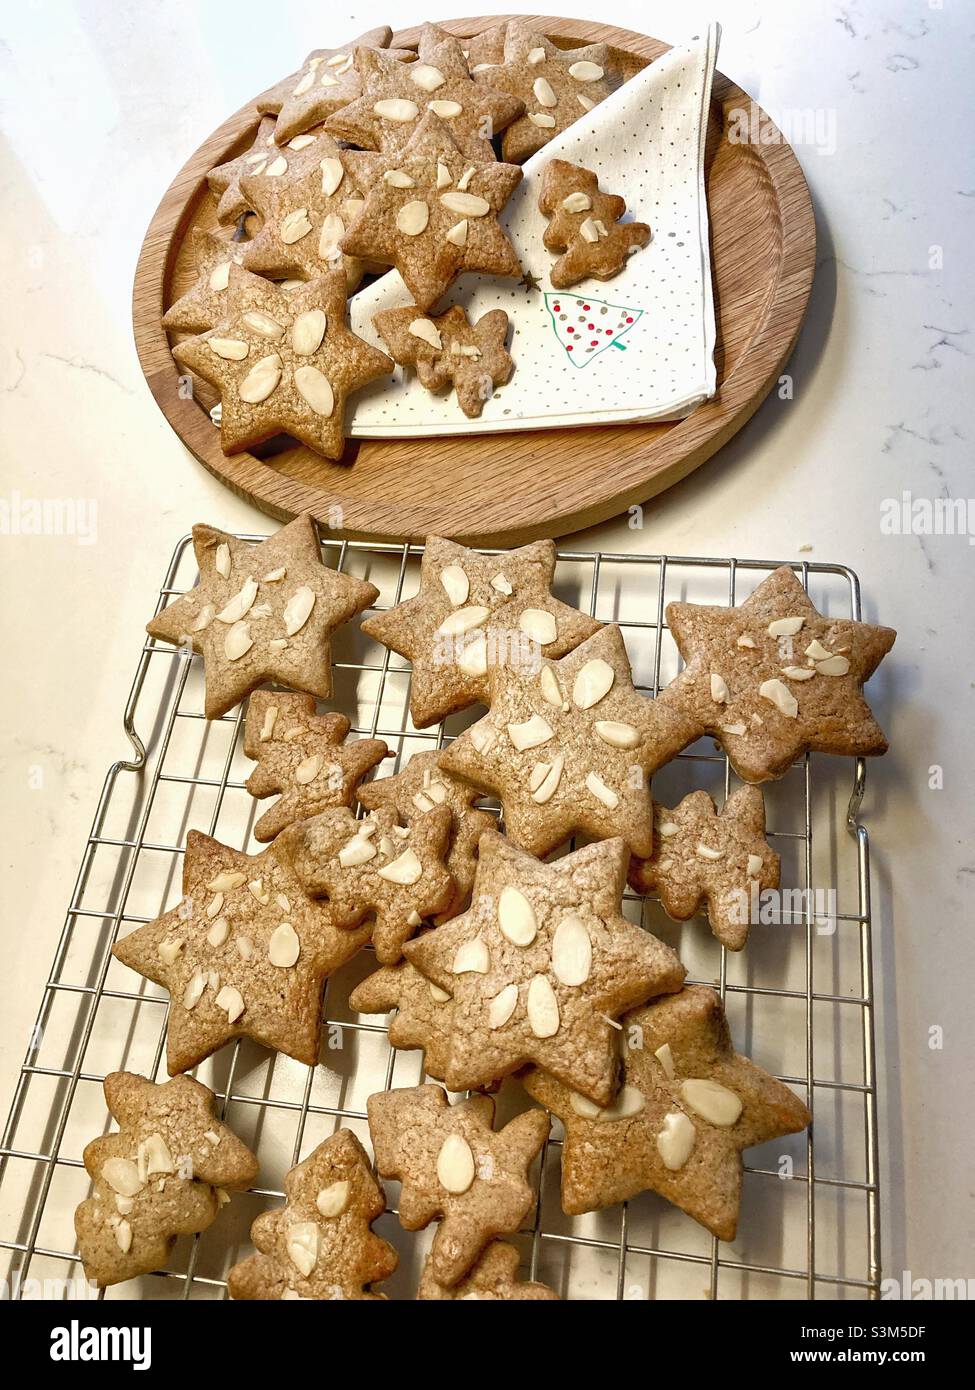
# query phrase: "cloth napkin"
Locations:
[[645, 141]]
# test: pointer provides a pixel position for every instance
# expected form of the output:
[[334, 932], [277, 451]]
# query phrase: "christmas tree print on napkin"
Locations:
[[587, 327]]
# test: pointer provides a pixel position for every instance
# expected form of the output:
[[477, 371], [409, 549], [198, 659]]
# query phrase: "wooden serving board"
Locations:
[[510, 488]]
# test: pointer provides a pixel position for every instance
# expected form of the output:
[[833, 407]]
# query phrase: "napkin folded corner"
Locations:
[[638, 347]]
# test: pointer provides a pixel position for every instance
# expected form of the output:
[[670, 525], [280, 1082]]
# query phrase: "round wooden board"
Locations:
[[510, 488]]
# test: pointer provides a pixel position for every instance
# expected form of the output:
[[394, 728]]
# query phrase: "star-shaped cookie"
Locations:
[[688, 1107], [327, 81], [204, 303], [448, 350], [452, 1164], [471, 611], [584, 224], [262, 612], [702, 855], [304, 756], [284, 362], [422, 785], [320, 1244], [567, 746], [494, 1276], [156, 1178], [422, 1011], [245, 954], [556, 86], [375, 866], [304, 214], [772, 679], [224, 179], [396, 97], [541, 965], [431, 211]]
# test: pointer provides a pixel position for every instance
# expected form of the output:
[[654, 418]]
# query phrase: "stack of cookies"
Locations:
[[502, 950], [369, 158]]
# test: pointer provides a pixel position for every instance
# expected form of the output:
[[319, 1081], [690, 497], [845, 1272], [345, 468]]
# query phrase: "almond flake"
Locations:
[[358, 850], [516, 917], [617, 734], [785, 627], [230, 349], [465, 204], [548, 786], [284, 947], [473, 957], [426, 77], [295, 226], [592, 682], [333, 172], [585, 72], [571, 951], [531, 733], [463, 620], [544, 93], [308, 769], [396, 109], [539, 625], [427, 333], [298, 609], [203, 619], [833, 666], [542, 1008], [231, 1001], [308, 331], [502, 1006], [407, 869], [315, 390], [397, 179], [262, 379], [240, 604], [706, 852], [601, 792], [455, 1164], [779, 694], [238, 642]]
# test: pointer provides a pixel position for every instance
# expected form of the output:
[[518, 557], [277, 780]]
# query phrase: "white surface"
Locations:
[[101, 105], [667, 363]]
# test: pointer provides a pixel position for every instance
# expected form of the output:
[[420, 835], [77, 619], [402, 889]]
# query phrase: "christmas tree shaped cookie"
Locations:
[[375, 866], [585, 225], [320, 1245], [304, 756], [703, 855], [164, 1174], [453, 1164]]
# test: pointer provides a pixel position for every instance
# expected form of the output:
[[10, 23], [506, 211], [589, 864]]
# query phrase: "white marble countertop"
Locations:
[[102, 103]]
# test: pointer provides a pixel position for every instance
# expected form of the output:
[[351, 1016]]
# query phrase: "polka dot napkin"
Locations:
[[637, 347]]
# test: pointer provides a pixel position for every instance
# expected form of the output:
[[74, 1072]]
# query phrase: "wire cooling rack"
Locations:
[[799, 998]]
